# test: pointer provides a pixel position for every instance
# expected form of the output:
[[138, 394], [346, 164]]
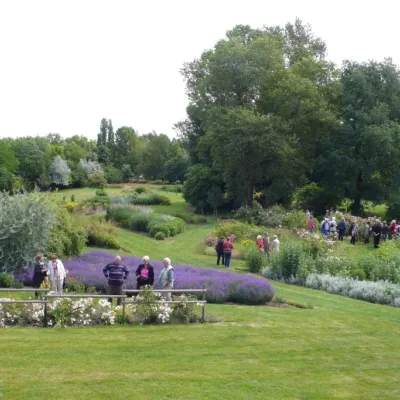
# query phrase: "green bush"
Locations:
[[67, 238], [359, 274], [255, 259], [140, 221], [169, 226], [72, 198], [295, 219], [74, 285], [158, 182], [240, 229], [290, 259], [159, 236], [140, 190], [151, 199], [101, 192], [6, 280]]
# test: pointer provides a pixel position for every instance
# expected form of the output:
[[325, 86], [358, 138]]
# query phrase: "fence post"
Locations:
[[203, 315], [45, 312], [123, 308]]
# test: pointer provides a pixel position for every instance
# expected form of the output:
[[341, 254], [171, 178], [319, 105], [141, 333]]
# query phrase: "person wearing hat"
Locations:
[[145, 273]]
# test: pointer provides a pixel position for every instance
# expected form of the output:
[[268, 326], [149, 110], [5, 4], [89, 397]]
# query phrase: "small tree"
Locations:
[[60, 172], [126, 172], [91, 167], [26, 223]]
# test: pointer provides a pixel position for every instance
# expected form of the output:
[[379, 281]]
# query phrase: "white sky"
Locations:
[[65, 64]]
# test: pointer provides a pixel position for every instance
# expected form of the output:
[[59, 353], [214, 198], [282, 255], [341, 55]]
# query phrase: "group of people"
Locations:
[[266, 245], [378, 230], [53, 275], [117, 273]]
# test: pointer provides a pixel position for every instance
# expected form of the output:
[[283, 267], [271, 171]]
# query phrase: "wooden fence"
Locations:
[[45, 301]]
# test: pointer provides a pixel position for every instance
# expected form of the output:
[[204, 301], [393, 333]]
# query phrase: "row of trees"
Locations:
[[271, 116], [115, 157]]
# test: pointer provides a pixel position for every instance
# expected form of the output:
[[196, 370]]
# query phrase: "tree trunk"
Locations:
[[356, 207], [250, 194]]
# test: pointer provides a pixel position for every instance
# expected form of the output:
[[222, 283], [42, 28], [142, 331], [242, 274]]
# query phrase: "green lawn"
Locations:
[[342, 349]]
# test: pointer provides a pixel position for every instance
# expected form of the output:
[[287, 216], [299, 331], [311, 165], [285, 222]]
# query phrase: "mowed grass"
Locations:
[[341, 349]]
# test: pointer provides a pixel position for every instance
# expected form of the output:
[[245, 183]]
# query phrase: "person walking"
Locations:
[[228, 248], [310, 225], [377, 231], [116, 273], [145, 273], [341, 229], [39, 273], [385, 231], [367, 232], [333, 226], [353, 233], [275, 244], [166, 278], [219, 248], [392, 229], [57, 274], [267, 243]]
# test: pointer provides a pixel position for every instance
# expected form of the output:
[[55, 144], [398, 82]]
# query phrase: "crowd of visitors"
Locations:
[[374, 229]]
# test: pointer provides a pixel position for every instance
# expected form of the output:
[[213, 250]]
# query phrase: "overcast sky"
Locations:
[[64, 65]]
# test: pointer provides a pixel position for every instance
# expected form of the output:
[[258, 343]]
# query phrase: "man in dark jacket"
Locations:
[[377, 231], [219, 248], [116, 273], [342, 229]]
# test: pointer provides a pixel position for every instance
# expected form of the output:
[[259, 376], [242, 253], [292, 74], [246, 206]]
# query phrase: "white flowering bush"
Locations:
[[8, 314], [12, 314], [381, 292], [151, 307], [60, 171], [81, 312]]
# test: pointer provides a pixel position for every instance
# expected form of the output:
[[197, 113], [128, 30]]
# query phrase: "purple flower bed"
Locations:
[[222, 286]]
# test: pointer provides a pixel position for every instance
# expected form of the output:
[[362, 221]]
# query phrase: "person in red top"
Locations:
[[393, 227], [228, 247], [260, 243], [310, 225]]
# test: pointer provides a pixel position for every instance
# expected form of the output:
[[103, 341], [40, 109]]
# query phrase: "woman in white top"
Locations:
[[275, 244], [57, 274]]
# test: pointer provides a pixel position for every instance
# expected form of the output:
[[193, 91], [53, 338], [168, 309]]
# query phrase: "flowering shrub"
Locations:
[[81, 312], [31, 314], [381, 292], [221, 285]]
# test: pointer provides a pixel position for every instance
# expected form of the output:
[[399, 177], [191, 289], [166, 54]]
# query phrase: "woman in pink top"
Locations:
[[145, 273], [310, 225]]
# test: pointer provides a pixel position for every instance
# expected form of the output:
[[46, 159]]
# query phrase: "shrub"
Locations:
[[6, 280], [101, 192], [74, 285], [72, 198], [70, 206], [374, 292], [140, 221], [358, 274], [151, 199], [67, 239], [241, 230], [255, 259], [159, 236], [166, 224], [290, 259], [295, 219], [27, 221], [140, 190], [158, 182]]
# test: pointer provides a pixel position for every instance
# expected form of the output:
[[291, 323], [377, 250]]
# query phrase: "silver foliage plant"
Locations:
[[60, 171], [25, 224], [381, 292], [91, 167]]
